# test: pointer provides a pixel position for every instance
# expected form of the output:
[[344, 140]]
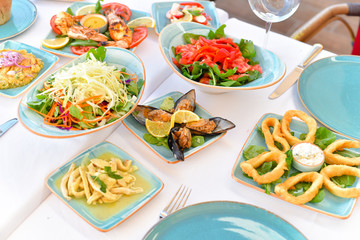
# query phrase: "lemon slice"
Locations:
[[85, 10], [148, 22], [184, 116], [55, 43], [157, 128], [186, 18]]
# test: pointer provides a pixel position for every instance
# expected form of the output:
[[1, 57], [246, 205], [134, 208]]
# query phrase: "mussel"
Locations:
[[179, 138], [142, 112], [211, 126], [186, 102]]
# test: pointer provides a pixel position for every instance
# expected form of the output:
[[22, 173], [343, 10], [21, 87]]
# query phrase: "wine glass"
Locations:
[[273, 11]]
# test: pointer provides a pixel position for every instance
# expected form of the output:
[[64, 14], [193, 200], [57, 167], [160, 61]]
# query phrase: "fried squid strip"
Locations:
[[339, 170], [249, 167], [332, 158], [310, 122], [314, 177], [275, 136], [64, 181]]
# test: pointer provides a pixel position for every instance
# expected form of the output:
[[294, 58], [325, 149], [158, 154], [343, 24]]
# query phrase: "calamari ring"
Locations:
[[275, 136], [310, 122], [332, 158], [314, 177], [339, 170], [249, 166]]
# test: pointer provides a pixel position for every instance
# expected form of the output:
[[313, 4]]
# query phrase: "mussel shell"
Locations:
[[190, 95], [222, 125], [174, 146], [139, 113]]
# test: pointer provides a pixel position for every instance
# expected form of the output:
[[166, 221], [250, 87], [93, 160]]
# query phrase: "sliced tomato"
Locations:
[[120, 9], [53, 26], [79, 50], [139, 34], [204, 80], [191, 4]]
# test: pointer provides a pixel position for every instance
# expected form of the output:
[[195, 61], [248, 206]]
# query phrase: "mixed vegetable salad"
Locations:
[[87, 95], [217, 60], [188, 12]]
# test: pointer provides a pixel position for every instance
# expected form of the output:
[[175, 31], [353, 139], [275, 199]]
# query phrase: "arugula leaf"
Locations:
[[101, 183], [324, 137], [167, 104], [98, 6], [112, 174], [150, 138], [289, 159], [302, 136], [197, 141], [248, 76], [347, 153], [99, 53], [75, 112], [43, 106], [301, 187], [319, 197], [259, 130], [69, 11], [266, 187], [228, 73], [252, 151], [230, 83], [194, 12], [344, 180], [219, 33], [188, 36], [247, 48], [266, 167]]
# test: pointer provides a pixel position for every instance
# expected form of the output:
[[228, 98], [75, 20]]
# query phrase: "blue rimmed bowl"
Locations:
[[107, 216], [273, 68], [48, 59], [34, 121]]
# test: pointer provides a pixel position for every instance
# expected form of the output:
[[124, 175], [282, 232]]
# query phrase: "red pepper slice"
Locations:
[[191, 4], [221, 54]]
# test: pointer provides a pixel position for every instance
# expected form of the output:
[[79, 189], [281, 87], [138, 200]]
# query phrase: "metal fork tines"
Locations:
[[177, 202]]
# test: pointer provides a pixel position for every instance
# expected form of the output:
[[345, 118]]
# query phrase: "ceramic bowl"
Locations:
[[273, 67], [34, 122]]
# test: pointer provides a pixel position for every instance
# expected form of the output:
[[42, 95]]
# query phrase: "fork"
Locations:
[[177, 202]]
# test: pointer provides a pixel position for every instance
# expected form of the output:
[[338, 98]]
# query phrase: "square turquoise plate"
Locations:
[[331, 205], [155, 185], [65, 51], [48, 59], [159, 10], [139, 130]]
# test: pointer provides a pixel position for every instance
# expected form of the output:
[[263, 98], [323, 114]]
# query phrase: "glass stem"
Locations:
[[267, 30]]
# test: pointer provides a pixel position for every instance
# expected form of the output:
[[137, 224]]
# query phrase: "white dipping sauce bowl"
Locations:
[[307, 157]]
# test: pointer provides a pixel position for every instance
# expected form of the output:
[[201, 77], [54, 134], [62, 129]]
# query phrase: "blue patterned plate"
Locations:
[[23, 15], [107, 216], [66, 52], [223, 220], [34, 121], [159, 10], [331, 205], [139, 130], [48, 59], [329, 89], [273, 68]]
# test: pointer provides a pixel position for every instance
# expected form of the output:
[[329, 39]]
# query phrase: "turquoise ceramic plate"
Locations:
[[329, 89], [34, 122], [23, 15], [139, 130], [223, 220], [331, 205], [107, 216], [48, 59], [159, 10], [66, 52], [273, 67]]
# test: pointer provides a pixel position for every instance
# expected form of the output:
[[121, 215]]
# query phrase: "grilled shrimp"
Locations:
[[83, 33], [64, 21], [119, 31]]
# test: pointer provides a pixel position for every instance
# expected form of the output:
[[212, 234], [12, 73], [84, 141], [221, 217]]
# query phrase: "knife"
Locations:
[[7, 125], [294, 75]]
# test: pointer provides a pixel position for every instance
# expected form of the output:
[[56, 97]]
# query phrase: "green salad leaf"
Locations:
[[101, 183], [197, 141], [99, 53], [112, 174], [98, 6], [252, 151], [324, 137], [167, 104], [344, 180], [69, 11]]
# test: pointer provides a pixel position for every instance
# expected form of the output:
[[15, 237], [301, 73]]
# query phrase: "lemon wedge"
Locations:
[[148, 22], [55, 43], [157, 128], [186, 18], [184, 116], [85, 10]]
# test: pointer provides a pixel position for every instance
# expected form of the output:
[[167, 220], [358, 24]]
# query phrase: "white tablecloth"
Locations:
[[27, 159]]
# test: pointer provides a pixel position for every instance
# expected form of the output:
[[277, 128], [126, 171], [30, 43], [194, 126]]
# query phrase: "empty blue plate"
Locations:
[[223, 220], [329, 89]]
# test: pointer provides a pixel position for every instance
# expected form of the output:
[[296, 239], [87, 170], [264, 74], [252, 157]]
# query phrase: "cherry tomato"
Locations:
[[191, 4], [53, 26], [120, 9], [204, 80], [139, 34], [79, 50]]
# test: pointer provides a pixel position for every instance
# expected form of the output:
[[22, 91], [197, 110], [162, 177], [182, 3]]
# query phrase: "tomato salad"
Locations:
[[188, 12], [217, 60], [82, 38]]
